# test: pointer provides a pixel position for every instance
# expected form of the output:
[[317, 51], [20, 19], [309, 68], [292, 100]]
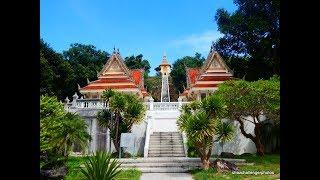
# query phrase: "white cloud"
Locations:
[[196, 42]]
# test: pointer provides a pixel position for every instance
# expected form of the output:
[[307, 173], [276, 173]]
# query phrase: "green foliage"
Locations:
[[244, 98], [125, 110], [137, 62], [178, 72], [225, 132], [101, 167], [59, 130], [251, 99], [251, 41]]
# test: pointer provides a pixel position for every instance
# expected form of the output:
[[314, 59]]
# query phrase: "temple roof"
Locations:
[[116, 75], [213, 72]]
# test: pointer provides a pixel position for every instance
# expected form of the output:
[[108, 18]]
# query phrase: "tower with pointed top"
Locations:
[[165, 72]]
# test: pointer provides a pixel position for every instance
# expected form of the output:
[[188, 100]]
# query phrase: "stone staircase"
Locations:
[[167, 164], [166, 144]]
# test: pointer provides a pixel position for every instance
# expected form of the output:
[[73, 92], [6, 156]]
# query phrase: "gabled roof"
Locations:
[[116, 75], [213, 72]]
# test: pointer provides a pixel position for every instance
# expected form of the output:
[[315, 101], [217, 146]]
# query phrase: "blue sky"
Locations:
[[177, 27]]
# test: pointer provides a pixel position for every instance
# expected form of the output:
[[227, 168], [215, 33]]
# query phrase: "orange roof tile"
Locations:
[[192, 74], [137, 75], [108, 87]]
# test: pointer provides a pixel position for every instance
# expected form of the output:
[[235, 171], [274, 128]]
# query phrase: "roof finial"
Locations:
[[212, 48], [118, 51], [114, 49]]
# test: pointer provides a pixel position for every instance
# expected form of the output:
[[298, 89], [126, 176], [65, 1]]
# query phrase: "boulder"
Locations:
[[227, 155], [223, 165], [57, 173]]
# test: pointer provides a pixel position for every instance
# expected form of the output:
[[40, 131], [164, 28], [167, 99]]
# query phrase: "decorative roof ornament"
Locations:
[[67, 100], [88, 82], [79, 87], [114, 49], [118, 51], [212, 48], [75, 96]]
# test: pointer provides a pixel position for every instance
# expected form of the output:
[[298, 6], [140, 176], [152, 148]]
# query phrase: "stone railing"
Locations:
[[91, 104], [100, 104]]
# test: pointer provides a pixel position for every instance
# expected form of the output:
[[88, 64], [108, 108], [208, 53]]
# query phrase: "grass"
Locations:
[[75, 174], [266, 163]]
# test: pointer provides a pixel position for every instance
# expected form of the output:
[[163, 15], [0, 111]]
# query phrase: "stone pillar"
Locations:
[[74, 100], [94, 132], [198, 95], [66, 103], [180, 102], [151, 103]]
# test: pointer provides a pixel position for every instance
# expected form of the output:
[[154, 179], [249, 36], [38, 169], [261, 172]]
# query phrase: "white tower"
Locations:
[[165, 72]]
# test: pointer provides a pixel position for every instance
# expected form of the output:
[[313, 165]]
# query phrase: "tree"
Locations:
[[59, 130], [137, 62], [73, 131], [178, 72], [251, 41], [225, 132], [125, 110], [199, 123], [86, 61], [251, 99]]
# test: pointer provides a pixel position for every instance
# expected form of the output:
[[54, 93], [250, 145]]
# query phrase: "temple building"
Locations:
[[203, 81], [117, 76]]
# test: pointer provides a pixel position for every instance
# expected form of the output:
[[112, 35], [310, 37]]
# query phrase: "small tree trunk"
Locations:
[[259, 147], [117, 143], [205, 163]]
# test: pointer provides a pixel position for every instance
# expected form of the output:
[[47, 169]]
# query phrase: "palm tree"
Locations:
[[199, 120], [225, 132], [200, 130], [134, 111], [72, 131], [117, 105]]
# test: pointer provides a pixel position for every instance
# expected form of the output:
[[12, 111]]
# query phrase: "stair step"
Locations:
[[151, 165], [172, 159], [166, 155], [162, 169]]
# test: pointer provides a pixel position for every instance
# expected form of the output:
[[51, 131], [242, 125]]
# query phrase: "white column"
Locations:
[[151, 103], [199, 96], [180, 102], [74, 100], [94, 135]]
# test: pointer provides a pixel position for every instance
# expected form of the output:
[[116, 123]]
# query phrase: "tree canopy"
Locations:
[[178, 72], [137, 62], [248, 102], [251, 41]]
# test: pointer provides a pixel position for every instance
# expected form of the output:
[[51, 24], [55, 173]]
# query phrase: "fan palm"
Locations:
[[225, 132], [101, 167], [72, 131], [133, 113]]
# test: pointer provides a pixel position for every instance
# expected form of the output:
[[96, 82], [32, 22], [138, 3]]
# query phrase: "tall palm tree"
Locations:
[[200, 130], [225, 132], [117, 105]]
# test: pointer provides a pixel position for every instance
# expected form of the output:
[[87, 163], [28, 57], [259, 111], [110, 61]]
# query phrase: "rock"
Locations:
[[57, 173], [246, 154], [223, 165], [227, 155]]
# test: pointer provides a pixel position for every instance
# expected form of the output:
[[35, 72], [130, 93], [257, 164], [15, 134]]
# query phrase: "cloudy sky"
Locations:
[[177, 27]]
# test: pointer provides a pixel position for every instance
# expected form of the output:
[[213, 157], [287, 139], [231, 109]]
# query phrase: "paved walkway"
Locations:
[[166, 176]]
